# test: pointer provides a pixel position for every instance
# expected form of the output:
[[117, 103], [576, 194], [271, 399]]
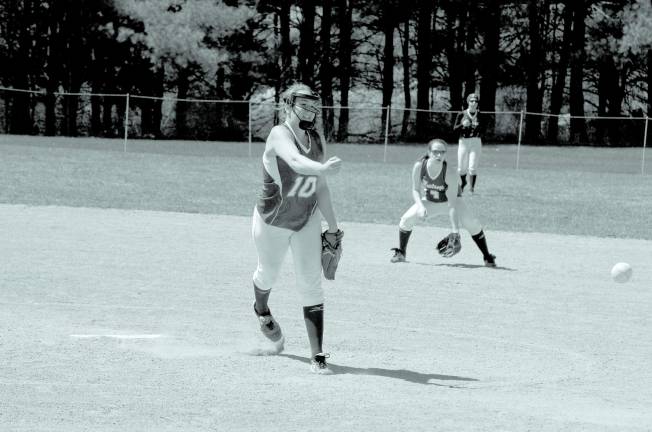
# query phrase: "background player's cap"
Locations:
[[472, 96]]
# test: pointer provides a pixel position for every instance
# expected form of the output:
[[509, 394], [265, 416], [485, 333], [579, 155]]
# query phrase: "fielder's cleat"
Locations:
[[270, 328], [399, 256], [490, 260], [319, 366]]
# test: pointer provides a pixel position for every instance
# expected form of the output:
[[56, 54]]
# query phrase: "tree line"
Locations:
[[572, 56]]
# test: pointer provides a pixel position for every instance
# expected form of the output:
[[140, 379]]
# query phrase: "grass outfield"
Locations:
[[555, 193]]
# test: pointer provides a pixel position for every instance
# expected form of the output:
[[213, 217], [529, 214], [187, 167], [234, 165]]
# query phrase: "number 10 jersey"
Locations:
[[288, 199]]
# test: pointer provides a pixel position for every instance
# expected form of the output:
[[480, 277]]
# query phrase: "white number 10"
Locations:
[[303, 187]]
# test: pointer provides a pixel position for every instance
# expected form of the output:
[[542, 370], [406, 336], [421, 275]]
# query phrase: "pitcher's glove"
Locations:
[[449, 245], [331, 252]]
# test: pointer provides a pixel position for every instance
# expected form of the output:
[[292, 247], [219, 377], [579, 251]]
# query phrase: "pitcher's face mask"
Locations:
[[304, 106]]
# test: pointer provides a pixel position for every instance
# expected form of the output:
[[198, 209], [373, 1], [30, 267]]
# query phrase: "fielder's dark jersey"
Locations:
[[289, 199], [473, 130], [434, 188]]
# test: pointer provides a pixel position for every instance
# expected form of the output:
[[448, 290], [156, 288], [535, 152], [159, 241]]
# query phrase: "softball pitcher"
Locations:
[[288, 214], [470, 143], [432, 195]]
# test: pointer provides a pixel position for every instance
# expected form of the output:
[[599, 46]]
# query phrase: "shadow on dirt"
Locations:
[[406, 375], [462, 265]]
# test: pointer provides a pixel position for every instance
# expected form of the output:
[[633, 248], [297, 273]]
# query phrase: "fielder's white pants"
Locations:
[[468, 155], [467, 220], [272, 244]]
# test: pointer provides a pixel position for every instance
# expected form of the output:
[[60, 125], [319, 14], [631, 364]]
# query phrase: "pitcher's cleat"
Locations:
[[319, 366], [270, 329], [490, 260], [399, 256]]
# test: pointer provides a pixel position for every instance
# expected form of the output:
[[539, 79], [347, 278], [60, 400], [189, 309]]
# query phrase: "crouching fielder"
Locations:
[[432, 195]]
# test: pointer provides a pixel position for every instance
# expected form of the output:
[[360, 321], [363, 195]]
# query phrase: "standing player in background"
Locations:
[[288, 215], [468, 129], [432, 195]]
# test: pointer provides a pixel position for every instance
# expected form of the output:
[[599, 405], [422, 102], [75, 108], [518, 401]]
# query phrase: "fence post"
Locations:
[[644, 145], [520, 134], [126, 123], [387, 120], [249, 127]]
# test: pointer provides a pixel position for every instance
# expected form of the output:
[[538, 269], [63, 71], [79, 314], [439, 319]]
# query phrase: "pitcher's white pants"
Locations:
[[468, 155], [272, 244]]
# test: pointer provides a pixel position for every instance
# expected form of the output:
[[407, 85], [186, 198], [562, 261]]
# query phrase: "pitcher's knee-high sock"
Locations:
[[261, 300], [463, 181], [481, 241], [403, 238], [314, 318]]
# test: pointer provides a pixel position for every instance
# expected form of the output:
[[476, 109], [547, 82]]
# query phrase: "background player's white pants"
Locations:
[[467, 220], [272, 244], [468, 155]]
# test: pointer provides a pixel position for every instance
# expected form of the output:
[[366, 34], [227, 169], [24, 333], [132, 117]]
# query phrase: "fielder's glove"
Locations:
[[331, 252], [449, 245]]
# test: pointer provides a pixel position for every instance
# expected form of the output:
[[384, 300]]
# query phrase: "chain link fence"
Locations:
[[125, 116]]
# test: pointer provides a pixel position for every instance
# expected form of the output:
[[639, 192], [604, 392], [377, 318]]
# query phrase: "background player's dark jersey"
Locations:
[[435, 188], [289, 199], [471, 131]]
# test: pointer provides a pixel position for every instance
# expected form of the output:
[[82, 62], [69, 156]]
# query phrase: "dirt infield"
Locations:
[[123, 320]]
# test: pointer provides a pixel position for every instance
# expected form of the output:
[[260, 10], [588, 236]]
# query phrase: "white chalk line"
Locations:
[[117, 336], [90, 305]]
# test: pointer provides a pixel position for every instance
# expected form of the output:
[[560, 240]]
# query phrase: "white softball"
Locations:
[[621, 272]]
